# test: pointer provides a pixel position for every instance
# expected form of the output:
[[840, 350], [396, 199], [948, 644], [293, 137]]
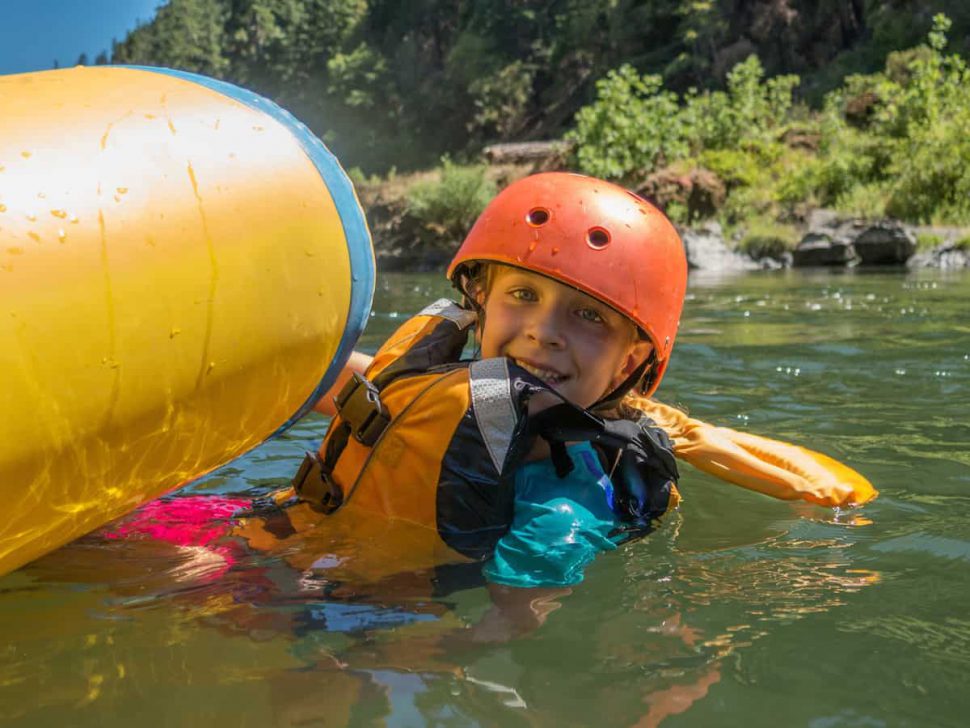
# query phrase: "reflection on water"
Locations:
[[770, 612]]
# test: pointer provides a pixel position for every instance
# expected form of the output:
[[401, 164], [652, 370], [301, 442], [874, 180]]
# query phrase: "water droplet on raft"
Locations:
[[59, 213], [32, 218], [61, 235], [15, 251], [174, 332], [3, 208], [555, 251], [121, 190], [25, 154], [34, 236]]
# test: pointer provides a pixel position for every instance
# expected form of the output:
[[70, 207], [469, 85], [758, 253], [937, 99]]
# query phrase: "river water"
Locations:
[[739, 610]]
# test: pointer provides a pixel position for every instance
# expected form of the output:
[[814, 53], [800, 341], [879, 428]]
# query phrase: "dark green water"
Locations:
[[740, 610]]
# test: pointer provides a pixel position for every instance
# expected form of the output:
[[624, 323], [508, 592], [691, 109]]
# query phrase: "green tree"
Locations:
[[185, 34]]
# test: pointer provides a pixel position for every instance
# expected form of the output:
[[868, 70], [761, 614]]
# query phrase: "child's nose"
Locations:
[[545, 327]]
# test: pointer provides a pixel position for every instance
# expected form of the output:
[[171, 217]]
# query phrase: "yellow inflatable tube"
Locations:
[[184, 269]]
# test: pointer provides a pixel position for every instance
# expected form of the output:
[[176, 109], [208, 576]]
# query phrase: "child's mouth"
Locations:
[[546, 375]]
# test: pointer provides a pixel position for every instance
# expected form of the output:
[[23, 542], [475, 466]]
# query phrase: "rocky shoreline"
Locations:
[[404, 243], [831, 241]]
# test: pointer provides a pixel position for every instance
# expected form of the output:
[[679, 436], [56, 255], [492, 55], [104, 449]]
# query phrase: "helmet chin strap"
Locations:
[[639, 379]]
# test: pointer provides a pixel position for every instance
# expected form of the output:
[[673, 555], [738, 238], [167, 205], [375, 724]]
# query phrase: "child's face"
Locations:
[[580, 347]]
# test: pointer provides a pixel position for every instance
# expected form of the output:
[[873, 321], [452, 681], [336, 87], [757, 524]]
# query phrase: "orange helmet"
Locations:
[[596, 237]]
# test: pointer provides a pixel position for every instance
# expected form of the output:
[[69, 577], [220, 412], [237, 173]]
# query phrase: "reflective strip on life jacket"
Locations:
[[491, 393]]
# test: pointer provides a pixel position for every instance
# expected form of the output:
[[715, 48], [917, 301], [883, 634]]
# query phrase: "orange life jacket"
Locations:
[[434, 440]]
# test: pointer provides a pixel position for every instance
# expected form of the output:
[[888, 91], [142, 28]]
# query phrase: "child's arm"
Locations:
[[775, 468], [357, 363]]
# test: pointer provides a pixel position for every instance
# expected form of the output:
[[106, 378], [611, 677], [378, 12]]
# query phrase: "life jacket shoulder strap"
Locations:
[[432, 338]]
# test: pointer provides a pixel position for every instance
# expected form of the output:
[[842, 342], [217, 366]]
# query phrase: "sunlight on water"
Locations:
[[740, 610]]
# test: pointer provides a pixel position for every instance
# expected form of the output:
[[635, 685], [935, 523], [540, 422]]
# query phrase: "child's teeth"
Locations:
[[543, 374]]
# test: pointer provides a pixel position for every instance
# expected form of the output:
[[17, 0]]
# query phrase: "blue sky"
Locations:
[[33, 33]]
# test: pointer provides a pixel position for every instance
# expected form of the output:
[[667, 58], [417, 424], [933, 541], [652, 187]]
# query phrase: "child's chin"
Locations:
[[564, 389]]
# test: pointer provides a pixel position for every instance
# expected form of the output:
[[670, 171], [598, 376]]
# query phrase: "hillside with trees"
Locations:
[[749, 113], [392, 83]]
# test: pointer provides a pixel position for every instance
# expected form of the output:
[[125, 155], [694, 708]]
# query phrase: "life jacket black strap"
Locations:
[[560, 458], [643, 469]]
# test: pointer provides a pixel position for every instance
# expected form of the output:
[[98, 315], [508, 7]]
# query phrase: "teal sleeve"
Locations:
[[559, 524]]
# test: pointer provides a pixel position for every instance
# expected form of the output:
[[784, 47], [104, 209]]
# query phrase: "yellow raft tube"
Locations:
[[184, 269]]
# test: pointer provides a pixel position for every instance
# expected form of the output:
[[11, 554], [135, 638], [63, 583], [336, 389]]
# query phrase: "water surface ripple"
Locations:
[[740, 610]]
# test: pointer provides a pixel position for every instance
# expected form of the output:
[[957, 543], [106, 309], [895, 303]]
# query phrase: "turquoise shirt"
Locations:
[[559, 524]]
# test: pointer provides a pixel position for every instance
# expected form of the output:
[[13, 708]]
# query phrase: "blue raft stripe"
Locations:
[[361, 253]]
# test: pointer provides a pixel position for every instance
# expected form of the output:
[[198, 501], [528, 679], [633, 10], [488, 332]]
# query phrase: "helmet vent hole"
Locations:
[[537, 216], [598, 238]]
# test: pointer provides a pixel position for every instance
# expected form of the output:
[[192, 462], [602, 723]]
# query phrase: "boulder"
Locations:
[[947, 256], [885, 243], [818, 249], [706, 250]]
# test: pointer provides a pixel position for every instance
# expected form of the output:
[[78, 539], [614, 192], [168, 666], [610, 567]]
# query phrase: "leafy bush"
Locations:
[[909, 155], [866, 200], [767, 239], [633, 126], [450, 204], [896, 142], [737, 167]]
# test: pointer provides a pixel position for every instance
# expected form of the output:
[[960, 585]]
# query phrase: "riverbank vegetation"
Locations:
[[893, 143], [751, 114]]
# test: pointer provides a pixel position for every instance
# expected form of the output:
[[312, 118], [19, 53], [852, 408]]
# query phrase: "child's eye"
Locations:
[[591, 315], [523, 294]]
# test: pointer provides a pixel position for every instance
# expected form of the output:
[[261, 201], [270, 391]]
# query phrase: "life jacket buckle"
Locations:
[[314, 486], [359, 405]]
